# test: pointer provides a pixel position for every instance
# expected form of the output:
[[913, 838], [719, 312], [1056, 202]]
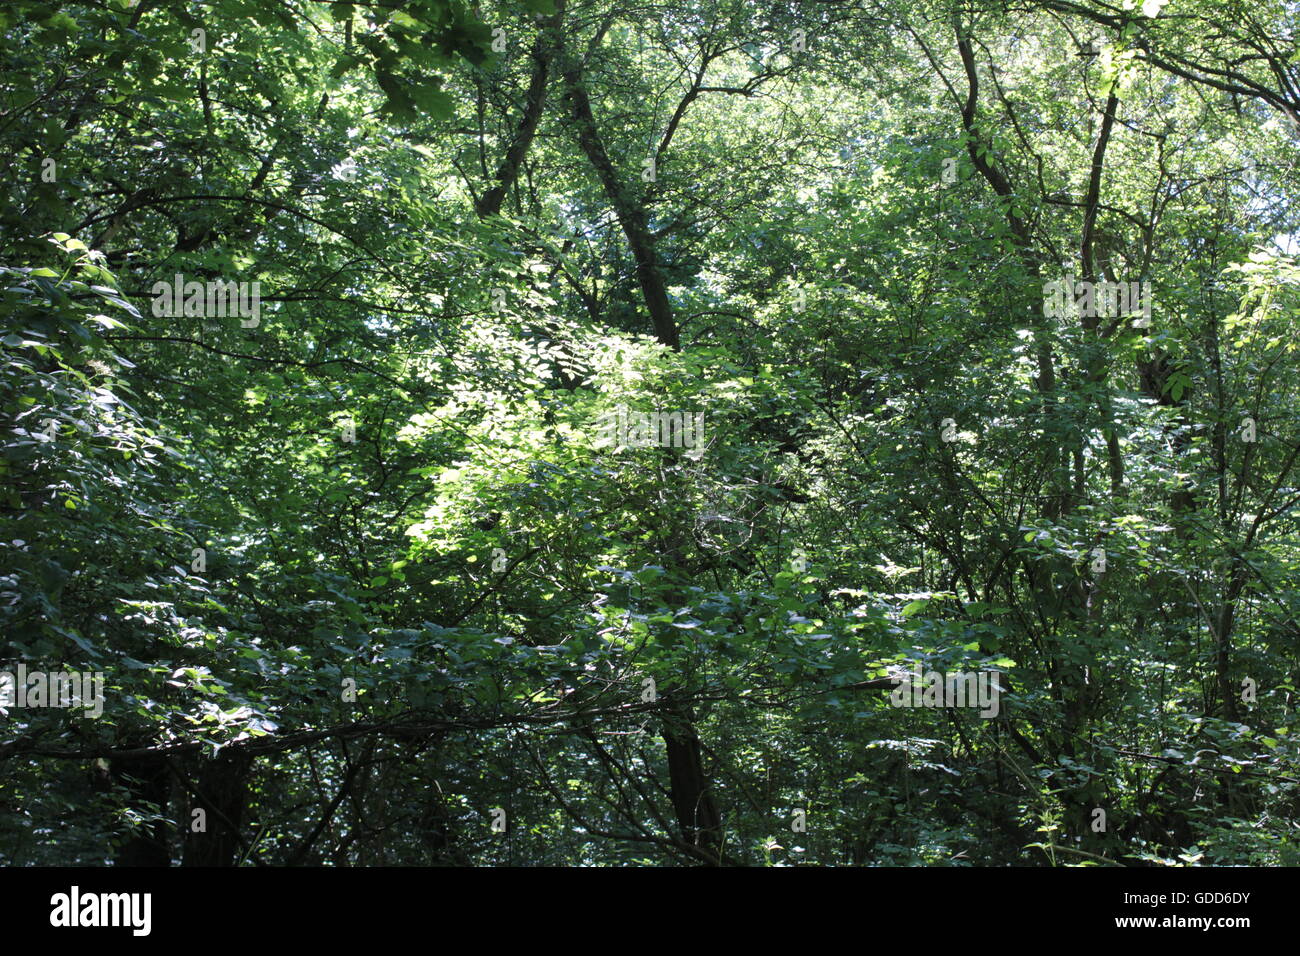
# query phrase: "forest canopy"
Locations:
[[602, 432]]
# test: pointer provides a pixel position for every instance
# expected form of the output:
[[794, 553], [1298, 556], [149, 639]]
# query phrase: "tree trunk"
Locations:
[[489, 204], [148, 785], [693, 804], [631, 214], [222, 787]]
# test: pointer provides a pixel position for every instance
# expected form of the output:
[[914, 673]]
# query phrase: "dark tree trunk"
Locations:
[[631, 214], [222, 786], [489, 204], [148, 785], [693, 804]]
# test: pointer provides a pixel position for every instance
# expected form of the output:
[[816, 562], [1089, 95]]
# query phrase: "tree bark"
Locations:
[[693, 804], [222, 792], [148, 785], [631, 214], [489, 204]]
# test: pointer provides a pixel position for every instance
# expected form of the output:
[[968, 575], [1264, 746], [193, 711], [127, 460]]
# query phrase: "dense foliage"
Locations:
[[370, 580]]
